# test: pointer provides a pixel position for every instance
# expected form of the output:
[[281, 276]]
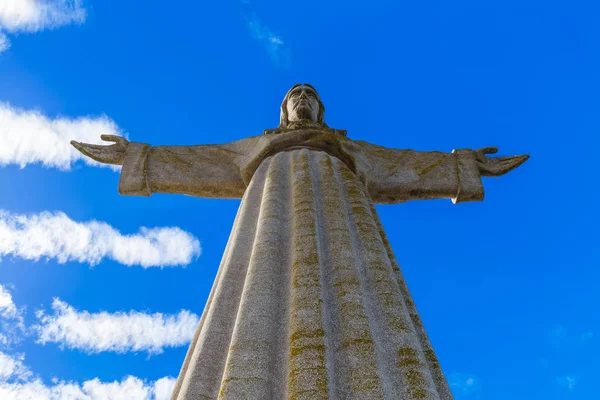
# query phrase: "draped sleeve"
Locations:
[[201, 170], [394, 176]]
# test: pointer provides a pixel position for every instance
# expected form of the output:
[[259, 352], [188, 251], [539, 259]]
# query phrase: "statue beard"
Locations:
[[304, 113]]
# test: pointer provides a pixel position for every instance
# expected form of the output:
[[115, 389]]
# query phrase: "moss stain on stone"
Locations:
[[429, 168], [356, 344], [306, 341], [410, 365]]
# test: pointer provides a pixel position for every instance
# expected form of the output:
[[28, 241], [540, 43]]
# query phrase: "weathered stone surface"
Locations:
[[309, 301], [322, 312]]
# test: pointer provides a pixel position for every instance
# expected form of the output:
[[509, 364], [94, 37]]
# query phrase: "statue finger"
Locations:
[[510, 163], [112, 138], [489, 150], [94, 147], [76, 144], [480, 153], [89, 150]]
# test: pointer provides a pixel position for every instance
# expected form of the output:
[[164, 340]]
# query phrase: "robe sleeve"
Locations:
[[202, 170], [394, 176]]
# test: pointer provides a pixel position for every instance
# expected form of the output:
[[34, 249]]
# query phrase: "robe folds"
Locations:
[[309, 301]]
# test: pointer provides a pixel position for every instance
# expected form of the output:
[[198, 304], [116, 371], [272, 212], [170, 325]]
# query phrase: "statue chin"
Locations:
[[303, 113]]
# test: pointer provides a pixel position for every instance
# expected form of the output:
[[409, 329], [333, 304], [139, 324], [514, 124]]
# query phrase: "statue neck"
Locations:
[[304, 124]]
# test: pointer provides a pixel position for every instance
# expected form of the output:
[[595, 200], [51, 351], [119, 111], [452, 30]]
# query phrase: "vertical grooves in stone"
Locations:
[[399, 353], [440, 381], [203, 366], [257, 362], [327, 294], [307, 372], [354, 360]]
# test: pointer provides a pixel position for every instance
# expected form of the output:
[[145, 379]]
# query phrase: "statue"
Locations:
[[309, 301]]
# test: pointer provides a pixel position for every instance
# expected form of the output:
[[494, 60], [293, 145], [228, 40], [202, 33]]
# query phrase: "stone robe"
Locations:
[[309, 301]]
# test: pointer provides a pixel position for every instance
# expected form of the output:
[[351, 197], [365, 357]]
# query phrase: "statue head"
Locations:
[[302, 103]]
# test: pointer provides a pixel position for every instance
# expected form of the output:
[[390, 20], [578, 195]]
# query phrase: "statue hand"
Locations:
[[496, 166], [113, 154]]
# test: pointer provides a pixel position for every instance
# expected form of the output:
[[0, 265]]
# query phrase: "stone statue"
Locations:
[[309, 301]]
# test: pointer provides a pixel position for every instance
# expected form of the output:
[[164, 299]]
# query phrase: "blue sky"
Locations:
[[507, 288]]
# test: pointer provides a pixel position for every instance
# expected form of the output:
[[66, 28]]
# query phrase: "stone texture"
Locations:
[[309, 301], [224, 171], [321, 310]]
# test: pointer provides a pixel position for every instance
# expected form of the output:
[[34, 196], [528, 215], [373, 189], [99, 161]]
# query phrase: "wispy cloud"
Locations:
[[567, 381], [8, 309], [464, 384], [56, 236], [272, 43], [4, 42], [18, 381], [117, 332], [130, 388], [568, 348], [163, 388], [29, 137], [12, 368], [12, 326], [30, 16]]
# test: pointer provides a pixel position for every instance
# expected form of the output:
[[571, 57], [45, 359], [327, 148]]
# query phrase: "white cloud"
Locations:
[[12, 325], [273, 43], [7, 306], [567, 381], [4, 42], [130, 388], [56, 236], [17, 382], [118, 332], [12, 367], [36, 15], [29, 137], [163, 388]]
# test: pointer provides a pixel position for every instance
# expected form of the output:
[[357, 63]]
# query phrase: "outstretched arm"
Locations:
[[399, 175], [203, 170]]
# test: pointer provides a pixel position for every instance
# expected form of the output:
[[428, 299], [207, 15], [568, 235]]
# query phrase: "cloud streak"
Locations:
[[29, 16], [272, 43], [119, 332], [130, 388], [55, 236], [29, 137], [18, 381], [464, 384], [567, 381]]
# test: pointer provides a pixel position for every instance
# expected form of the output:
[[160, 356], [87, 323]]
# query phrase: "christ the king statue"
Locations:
[[309, 301]]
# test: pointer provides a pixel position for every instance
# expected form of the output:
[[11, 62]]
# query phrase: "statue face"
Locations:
[[302, 104]]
